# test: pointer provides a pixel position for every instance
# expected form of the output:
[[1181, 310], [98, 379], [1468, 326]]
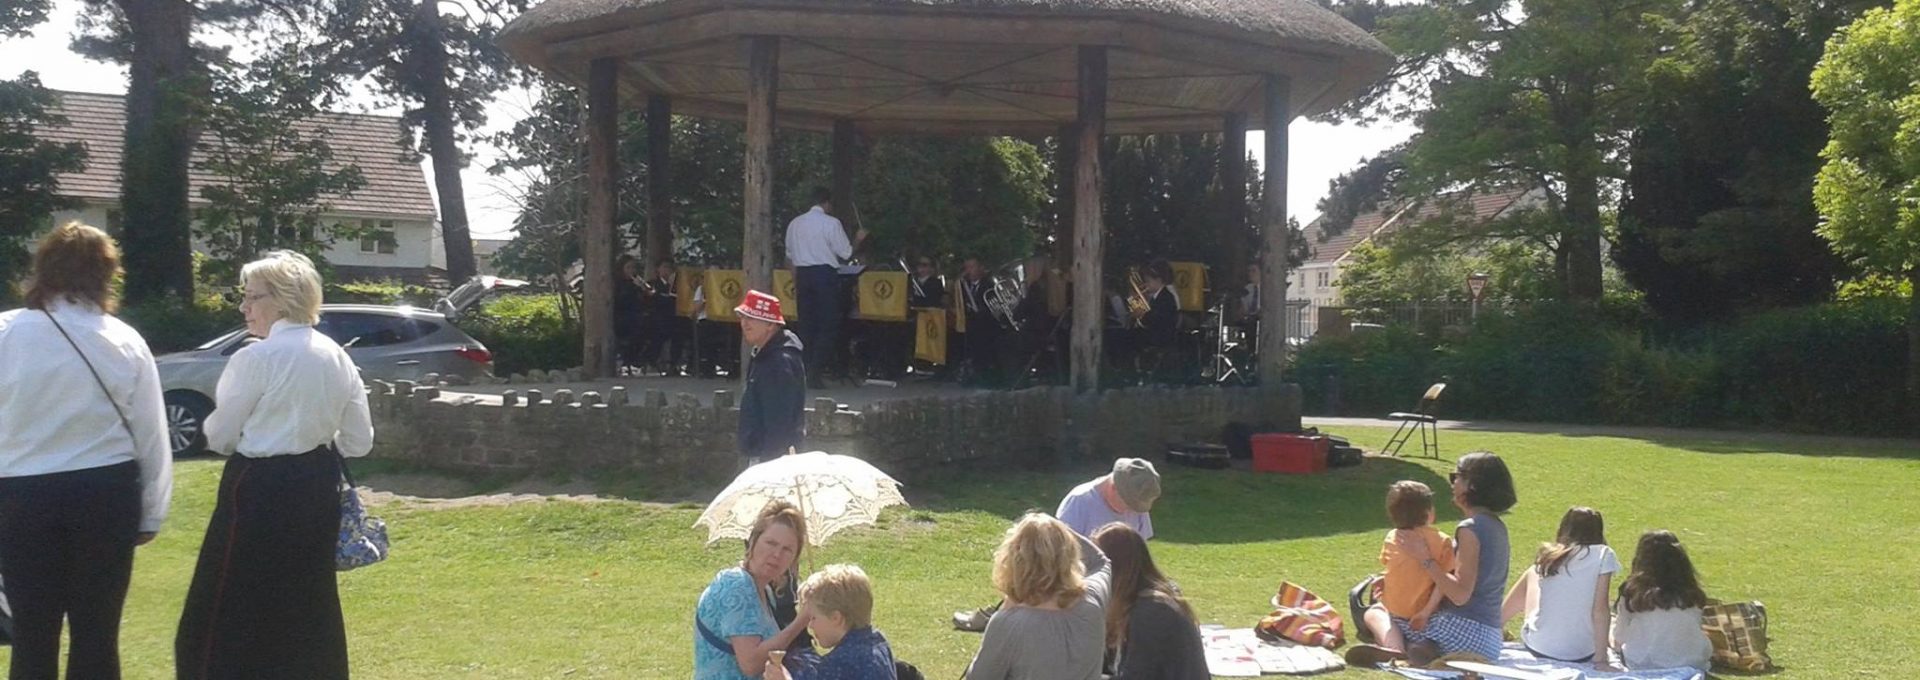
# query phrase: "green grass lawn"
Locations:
[[1827, 535]]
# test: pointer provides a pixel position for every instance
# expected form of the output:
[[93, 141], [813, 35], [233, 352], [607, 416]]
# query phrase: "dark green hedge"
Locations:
[[525, 332], [1831, 368]]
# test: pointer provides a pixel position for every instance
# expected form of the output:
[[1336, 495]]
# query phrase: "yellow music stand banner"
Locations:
[[788, 292], [1190, 281], [883, 296], [930, 335], [725, 288], [683, 286]]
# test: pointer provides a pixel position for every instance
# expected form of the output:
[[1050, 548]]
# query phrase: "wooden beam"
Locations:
[[1273, 230], [597, 242], [1233, 183], [1064, 157], [763, 59], [1089, 230], [659, 179], [845, 138]]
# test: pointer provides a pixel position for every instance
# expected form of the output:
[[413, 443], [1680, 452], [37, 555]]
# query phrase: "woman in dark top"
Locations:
[[1469, 618], [1150, 628]]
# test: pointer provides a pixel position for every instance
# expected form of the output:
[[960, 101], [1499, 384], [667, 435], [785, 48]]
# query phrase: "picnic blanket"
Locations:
[[1517, 657], [1240, 653]]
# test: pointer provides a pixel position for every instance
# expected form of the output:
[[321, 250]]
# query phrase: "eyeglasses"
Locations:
[[1453, 477]]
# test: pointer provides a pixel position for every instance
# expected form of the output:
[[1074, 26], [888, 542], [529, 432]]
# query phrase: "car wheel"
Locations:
[[186, 423]]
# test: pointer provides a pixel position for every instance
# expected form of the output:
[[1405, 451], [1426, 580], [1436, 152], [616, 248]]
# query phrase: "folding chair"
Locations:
[[1421, 420]]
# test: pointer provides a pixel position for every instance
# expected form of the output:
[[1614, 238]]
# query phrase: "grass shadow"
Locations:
[[1208, 506], [1719, 441]]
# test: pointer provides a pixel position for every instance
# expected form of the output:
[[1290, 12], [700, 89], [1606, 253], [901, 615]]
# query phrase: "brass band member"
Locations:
[[983, 330]]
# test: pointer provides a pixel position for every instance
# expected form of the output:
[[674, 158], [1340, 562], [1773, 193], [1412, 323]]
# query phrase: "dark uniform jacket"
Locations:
[[931, 293], [1162, 322], [773, 406]]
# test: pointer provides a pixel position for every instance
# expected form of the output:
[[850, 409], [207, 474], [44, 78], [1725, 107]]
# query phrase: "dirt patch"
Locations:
[[436, 492]]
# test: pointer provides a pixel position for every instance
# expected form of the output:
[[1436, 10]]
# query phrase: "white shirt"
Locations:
[[1085, 511], [288, 394], [54, 417], [817, 238], [1561, 625], [1662, 638]]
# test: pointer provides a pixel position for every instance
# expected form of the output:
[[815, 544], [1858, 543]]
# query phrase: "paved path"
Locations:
[[1631, 432]]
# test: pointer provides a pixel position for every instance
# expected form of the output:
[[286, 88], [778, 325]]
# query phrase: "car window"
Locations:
[[221, 339], [356, 330], [423, 329]]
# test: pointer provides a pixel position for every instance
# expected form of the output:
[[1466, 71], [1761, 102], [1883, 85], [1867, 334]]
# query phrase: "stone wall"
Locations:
[[911, 438]]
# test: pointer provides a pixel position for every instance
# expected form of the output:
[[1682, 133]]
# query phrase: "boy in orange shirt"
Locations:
[[1407, 594]]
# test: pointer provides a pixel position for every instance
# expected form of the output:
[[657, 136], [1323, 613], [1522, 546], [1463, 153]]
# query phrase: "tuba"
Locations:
[[1006, 287]]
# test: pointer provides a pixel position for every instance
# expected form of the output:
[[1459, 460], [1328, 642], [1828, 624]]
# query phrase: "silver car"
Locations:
[[386, 342]]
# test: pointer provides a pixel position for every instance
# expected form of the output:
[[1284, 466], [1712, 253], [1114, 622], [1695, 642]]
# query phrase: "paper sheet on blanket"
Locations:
[[1238, 653]]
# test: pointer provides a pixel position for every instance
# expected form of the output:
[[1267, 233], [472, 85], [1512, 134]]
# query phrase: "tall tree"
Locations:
[[165, 85], [1718, 214], [439, 61], [29, 166], [275, 170], [1869, 191], [1527, 93]]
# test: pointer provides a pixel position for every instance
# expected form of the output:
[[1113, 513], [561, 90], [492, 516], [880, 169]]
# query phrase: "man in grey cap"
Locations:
[[1125, 495]]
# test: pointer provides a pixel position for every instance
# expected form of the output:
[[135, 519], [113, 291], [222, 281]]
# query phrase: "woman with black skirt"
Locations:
[[264, 602], [85, 470]]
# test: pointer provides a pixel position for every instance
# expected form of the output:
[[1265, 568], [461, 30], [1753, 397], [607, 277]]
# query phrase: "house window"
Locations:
[[1322, 280], [378, 237]]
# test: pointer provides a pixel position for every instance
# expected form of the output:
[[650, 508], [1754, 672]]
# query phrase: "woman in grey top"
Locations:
[[1053, 626]]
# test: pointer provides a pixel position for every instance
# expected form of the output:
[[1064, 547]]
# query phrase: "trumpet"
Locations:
[[1137, 305]]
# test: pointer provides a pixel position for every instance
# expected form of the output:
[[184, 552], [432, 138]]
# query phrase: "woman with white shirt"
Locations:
[[85, 468], [264, 602]]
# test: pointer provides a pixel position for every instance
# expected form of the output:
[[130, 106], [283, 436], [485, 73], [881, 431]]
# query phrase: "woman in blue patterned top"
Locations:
[[1469, 618], [839, 600], [734, 629]]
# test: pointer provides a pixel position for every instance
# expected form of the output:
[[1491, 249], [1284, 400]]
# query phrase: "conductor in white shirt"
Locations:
[[817, 246], [264, 602], [85, 468]]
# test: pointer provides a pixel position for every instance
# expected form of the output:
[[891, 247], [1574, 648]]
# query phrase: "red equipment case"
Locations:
[[1290, 453]]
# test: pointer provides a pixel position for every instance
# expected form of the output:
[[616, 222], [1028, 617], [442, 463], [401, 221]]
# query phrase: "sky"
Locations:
[[1320, 151]]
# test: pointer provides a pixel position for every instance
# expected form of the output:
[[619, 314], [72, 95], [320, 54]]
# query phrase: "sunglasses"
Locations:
[[1453, 477]]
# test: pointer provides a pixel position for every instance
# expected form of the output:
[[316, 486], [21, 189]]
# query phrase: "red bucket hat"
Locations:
[[758, 305]]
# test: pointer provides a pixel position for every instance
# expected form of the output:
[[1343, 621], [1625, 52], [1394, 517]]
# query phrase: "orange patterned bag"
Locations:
[[1301, 616]]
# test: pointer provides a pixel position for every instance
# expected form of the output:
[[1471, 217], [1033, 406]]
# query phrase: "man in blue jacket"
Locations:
[[773, 406]]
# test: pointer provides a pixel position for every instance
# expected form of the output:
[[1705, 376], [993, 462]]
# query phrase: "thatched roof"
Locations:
[[985, 66]]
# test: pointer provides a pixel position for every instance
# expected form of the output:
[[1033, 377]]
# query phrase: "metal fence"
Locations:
[[1422, 315]]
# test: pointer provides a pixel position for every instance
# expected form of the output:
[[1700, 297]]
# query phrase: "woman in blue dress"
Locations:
[[734, 629]]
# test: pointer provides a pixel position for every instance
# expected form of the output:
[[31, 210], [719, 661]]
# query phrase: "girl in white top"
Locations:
[[1656, 621], [85, 469], [264, 602], [1564, 593]]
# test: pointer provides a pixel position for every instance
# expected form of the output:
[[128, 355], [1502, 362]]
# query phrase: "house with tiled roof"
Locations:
[[1316, 282], [394, 208]]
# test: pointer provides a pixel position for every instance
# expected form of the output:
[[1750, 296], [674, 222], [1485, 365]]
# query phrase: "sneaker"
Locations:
[[1371, 656], [975, 621]]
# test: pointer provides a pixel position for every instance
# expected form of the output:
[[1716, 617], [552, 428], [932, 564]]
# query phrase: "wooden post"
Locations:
[[844, 138], [659, 181], [1273, 230], [1064, 156], [763, 84], [1088, 227], [597, 243], [1233, 185]]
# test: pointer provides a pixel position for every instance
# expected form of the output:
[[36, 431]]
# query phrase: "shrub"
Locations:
[[1366, 373], [525, 332], [171, 325], [1836, 367], [381, 293]]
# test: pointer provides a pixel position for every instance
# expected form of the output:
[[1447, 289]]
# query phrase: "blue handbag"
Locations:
[[363, 539]]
